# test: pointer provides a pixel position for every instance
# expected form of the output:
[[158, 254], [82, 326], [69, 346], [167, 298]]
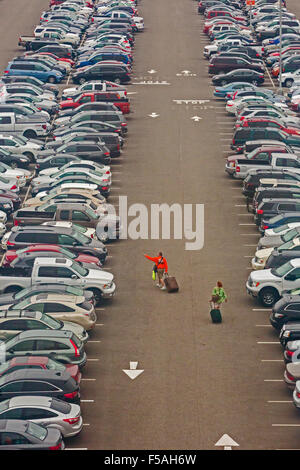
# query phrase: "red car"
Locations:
[[267, 122], [81, 257], [106, 96], [39, 362]]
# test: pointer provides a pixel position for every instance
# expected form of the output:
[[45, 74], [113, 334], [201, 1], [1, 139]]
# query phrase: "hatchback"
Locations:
[[16, 434]]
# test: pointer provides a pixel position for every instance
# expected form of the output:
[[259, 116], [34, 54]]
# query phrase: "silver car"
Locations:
[[45, 411]]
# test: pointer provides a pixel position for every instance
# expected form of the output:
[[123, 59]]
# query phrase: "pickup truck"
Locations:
[[13, 123], [261, 153], [212, 49], [268, 284], [58, 271], [107, 226], [123, 104], [34, 44], [67, 38], [274, 162], [41, 31]]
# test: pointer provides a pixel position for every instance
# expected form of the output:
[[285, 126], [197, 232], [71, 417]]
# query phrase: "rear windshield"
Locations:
[[61, 406], [36, 431], [281, 228], [76, 341]]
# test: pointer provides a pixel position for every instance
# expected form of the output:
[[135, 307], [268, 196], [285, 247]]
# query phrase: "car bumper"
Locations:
[[73, 430], [291, 385], [256, 266], [251, 290], [109, 292], [230, 170]]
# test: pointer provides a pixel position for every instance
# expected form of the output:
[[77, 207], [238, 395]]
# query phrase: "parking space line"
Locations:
[[279, 401], [261, 309], [92, 360], [89, 380], [286, 425], [271, 360], [273, 380], [265, 326], [268, 342], [91, 341], [76, 448], [87, 401]]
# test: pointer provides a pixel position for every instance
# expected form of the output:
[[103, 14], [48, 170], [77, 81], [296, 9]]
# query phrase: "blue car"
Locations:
[[221, 91], [38, 70], [279, 220], [104, 56]]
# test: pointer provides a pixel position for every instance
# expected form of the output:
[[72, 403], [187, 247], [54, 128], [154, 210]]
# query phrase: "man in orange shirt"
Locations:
[[162, 268]]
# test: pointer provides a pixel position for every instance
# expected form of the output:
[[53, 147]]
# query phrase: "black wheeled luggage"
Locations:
[[216, 316], [171, 284]]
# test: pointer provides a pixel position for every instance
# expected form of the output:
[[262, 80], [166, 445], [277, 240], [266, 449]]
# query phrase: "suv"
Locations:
[[253, 178], [226, 64], [278, 258], [285, 310], [244, 134], [268, 208], [40, 71], [21, 237], [62, 346], [115, 73], [268, 193]]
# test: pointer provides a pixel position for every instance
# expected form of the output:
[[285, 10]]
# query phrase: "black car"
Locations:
[[289, 332], [111, 72], [60, 50], [269, 208], [250, 51], [14, 160], [22, 236], [287, 309], [17, 434], [111, 142], [269, 193], [244, 134], [97, 125], [49, 383], [95, 106], [252, 180], [11, 196], [57, 160], [88, 149], [226, 62], [239, 75], [278, 258]]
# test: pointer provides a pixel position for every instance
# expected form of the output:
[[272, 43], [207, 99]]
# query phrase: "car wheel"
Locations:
[[14, 165], [268, 296], [254, 82], [117, 81], [103, 238], [12, 289], [288, 83], [82, 80], [51, 80], [30, 134], [223, 82]]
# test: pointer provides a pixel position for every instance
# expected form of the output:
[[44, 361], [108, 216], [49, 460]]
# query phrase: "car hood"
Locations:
[[264, 275], [269, 242], [75, 328], [100, 275], [6, 299]]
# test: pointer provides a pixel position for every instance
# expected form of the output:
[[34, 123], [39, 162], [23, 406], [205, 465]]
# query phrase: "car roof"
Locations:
[[65, 298], [48, 334], [14, 425], [41, 228], [38, 374], [30, 401], [12, 314]]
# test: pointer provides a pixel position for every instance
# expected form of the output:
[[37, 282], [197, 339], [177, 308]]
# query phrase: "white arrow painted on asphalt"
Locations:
[[196, 118], [153, 115], [185, 72], [227, 442], [132, 372], [152, 71]]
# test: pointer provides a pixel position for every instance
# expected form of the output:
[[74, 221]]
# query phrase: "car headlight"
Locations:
[[7, 206], [286, 334]]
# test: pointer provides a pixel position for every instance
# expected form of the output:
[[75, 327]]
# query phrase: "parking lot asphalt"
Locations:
[[200, 380]]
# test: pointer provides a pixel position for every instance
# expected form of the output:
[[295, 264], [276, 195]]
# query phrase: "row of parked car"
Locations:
[[244, 43], [62, 145]]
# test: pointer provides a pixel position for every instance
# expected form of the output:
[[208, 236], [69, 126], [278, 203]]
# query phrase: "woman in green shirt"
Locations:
[[218, 295]]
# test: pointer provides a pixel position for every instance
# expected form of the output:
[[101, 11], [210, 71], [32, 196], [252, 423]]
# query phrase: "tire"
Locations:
[[268, 296], [97, 294], [254, 82], [117, 81], [51, 80], [223, 82], [14, 165], [104, 238], [30, 134], [82, 80], [288, 83]]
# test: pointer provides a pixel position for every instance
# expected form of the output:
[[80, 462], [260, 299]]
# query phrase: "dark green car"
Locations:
[[244, 134]]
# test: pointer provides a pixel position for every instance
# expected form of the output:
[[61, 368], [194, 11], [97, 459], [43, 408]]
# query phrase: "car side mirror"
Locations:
[[73, 276]]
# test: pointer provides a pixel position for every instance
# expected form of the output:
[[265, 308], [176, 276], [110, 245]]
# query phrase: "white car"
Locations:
[[268, 284], [2, 229], [261, 256], [104, 169], [18, 174], [85, 186], [96, 175], [3, 217], [290, 121], [232, 105], [88, 232], [288, 78], [281, 230], [95, 85], [19, 144]]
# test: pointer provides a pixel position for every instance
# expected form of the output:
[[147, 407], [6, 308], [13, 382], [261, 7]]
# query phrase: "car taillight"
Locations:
[[229, 104], [260, 211], [10, 243], [72, 420], [13, 187], [124, 124], [44, 126], [104, 188], [75, 348], [106, 154], [242, 118], [16, 222], [289, 354], [58, 447], [6, 71], [298, 394], [71, 395], [211, 65], [265, 227]]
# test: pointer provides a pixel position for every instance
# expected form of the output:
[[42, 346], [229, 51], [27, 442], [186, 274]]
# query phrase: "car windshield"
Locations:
[[20, 140], [51, 322], [36, 431], [22, 305], [282, 270], [74, 291], [281, 228], [79, 269], [22, 293], [289, 235], [275, 219], [91, 213], [79, 228], [67, 252], [4, 406], [287, 246], [53, 365], [81, 238]]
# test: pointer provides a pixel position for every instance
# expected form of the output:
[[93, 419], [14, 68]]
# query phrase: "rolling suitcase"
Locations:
[[171, 284], [216, 316]]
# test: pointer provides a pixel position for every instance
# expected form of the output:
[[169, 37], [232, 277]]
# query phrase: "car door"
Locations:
[[23, 346], [66, 276], [5, 124], [10, 439], [11, 327], [40, 416], [11, 389], [39, 387]]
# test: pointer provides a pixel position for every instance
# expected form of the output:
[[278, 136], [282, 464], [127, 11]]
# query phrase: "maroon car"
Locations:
[[39, 362], [53, 250], [13, 197]]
